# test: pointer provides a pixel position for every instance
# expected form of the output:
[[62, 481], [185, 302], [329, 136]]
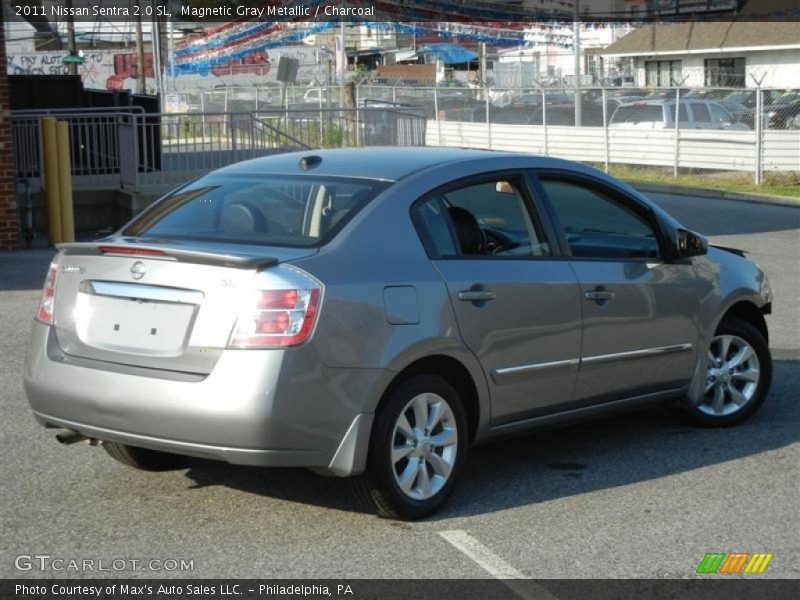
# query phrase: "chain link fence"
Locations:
[[702, 136]]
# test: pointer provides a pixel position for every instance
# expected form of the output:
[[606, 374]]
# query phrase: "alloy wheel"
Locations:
[[424, 446], [732, 376]]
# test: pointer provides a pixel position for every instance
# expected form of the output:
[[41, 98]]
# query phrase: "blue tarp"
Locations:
[[450, 54]]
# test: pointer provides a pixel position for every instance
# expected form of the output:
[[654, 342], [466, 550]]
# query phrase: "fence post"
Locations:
[[232, 134], [544, 123], [759, 127], [256, 99], [357, 120], [605, 127], [203, 112], [436, 112], [488, 123], [394, 95], [677, 130]]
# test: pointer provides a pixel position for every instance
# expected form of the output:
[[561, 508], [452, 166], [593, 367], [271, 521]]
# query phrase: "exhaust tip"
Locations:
[[70, 437]]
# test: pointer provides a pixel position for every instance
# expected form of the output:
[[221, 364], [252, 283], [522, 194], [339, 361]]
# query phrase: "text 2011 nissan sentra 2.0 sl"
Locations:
[[372, 313]]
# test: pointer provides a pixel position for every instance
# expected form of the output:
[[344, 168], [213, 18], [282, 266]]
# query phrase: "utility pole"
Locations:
[[576, 42], [140, 74], [71, 65], [482, 63], [171, 53], [155, 45]]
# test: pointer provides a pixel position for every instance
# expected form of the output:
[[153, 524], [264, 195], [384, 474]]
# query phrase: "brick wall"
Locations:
[[9, 227]]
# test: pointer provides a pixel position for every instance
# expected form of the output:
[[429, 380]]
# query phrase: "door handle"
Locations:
[[476, 295], [599, 295]]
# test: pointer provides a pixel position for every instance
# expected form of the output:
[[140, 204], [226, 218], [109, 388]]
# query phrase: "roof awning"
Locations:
[[449, 54], [402, 55]]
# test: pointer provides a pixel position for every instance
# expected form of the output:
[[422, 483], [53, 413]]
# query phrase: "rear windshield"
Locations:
[[638, 114], [247, 209]]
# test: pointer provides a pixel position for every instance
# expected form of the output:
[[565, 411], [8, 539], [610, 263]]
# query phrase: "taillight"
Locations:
[[45, 314], [281, 311]]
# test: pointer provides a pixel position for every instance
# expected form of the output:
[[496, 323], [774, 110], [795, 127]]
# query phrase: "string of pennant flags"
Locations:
[[239, 39], [248, 38]]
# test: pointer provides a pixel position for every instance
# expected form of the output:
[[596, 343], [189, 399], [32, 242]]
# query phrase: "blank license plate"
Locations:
[[134, 326]]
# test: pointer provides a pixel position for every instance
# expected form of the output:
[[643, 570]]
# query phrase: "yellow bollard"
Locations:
[[65, 182], [52, 196]]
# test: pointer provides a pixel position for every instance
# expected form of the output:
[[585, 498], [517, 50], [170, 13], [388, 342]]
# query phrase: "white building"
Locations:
[[713, 54]]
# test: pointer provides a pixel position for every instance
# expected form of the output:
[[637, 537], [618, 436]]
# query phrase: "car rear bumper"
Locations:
[[279, 408]]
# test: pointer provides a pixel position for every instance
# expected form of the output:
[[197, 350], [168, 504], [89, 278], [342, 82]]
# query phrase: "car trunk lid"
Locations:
[[155, 303]]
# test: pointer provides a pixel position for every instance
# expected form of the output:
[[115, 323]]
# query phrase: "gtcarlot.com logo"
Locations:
[[46, 562], [734, 563]]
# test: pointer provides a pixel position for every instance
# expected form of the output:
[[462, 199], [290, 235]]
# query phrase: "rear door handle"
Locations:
[[599, 295], [476, 295]]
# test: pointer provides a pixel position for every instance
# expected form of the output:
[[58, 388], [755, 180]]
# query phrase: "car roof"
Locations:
[[381, 163]]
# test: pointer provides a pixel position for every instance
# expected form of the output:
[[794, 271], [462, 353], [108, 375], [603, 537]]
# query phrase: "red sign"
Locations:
[[115, 82], [125, 65]]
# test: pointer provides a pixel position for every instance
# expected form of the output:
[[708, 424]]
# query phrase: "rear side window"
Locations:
[[487, 219], [281, 211]]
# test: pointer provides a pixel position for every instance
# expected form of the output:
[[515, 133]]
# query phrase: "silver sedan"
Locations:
[[372, 313]]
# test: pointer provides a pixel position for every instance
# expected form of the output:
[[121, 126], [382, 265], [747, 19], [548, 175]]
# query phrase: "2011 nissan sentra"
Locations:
[[374, 312]]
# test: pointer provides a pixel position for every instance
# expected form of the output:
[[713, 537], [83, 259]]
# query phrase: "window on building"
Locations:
[[725, 72], [663, 73], [594, 66]]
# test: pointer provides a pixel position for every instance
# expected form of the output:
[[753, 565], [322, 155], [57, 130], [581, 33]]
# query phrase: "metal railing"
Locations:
[[135, 150]]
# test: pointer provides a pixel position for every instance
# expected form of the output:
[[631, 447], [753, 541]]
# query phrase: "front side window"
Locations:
[[597, 226], [488, 219], [719, 115], [254, 209]]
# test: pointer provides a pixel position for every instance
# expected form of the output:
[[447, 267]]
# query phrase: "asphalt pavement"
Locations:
[[640, 495]]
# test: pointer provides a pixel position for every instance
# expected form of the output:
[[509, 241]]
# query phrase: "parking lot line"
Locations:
[[495, 565]]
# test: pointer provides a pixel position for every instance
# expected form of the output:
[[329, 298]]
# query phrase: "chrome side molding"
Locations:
[[659, 351], [502, 375]]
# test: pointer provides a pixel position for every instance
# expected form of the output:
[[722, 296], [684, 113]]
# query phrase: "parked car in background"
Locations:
[[782, 112], [371, 313], [660, 114], [525, 108]]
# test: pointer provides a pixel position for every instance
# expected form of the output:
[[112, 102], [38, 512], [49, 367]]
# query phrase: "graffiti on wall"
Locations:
[[112, 69], [97, 70]]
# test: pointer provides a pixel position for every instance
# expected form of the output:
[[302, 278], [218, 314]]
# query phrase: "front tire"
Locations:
[[738, 375], [142, 458], [417, 450]]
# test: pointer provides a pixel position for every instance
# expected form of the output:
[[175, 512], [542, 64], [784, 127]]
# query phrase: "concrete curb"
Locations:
[[685, 190]]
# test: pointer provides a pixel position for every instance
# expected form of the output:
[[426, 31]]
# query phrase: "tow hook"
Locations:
[[73, 437]]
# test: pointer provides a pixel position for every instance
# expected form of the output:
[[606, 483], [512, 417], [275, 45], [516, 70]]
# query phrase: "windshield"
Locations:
[[254, 209]]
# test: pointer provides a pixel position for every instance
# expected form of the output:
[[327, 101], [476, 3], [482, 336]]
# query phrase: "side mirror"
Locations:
[[689, 243]]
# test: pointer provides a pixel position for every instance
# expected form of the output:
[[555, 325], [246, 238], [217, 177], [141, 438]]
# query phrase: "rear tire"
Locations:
[[417, 450], [142, 458], [738, 378]]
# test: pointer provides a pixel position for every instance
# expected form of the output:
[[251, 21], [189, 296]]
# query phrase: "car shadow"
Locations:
[[556, 463]]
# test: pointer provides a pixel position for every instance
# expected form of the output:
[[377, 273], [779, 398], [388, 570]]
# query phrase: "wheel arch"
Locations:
[[750, 313], [455, 373], [742, 308]]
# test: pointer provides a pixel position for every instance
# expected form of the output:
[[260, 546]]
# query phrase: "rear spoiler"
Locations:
[[166, 252]]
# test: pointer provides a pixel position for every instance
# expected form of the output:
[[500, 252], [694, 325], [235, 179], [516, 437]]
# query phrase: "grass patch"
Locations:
[[775, 184]]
